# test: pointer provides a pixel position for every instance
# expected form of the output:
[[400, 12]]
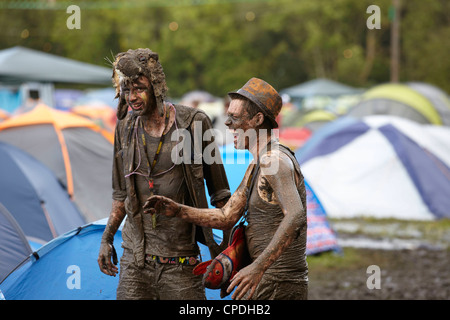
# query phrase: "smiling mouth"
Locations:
[[136, 106]]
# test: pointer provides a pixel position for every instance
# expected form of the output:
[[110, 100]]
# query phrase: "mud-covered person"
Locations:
[[159, 252], [276, 216]]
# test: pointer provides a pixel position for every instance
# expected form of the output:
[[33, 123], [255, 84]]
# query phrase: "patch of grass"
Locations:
[[349, 258], [438, 230]]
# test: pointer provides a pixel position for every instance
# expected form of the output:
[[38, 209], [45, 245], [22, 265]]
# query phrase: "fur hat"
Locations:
[[128, 66]]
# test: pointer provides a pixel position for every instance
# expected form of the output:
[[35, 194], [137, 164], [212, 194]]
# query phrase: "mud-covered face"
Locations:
[[240, 124], [139, 95]]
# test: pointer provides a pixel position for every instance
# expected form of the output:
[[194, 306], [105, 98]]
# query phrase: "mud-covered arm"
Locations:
[[285, 191], [115, 219], [117, 213], [224, 218], [107, 251]]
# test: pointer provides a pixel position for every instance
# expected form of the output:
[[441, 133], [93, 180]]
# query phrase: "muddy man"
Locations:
[[159, 252], [276, 215]]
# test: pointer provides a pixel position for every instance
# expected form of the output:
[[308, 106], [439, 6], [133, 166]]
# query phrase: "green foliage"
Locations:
[[218, 45]]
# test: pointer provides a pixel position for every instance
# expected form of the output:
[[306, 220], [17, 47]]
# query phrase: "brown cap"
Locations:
[[264, 96]]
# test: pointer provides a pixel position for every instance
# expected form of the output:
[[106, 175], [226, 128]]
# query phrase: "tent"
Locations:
[[311, 120], [438, 98], [381, 167], [14, 247], [418, 102], [320, 235], [19, 64], [293, 137], [34, 197], [318, 88], [75, 149], [4, 115], [66, 269], [103, 96], [64, 99], [102, 114]]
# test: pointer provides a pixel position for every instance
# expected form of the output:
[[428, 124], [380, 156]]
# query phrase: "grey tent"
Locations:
[[75, 149], [319, 87], [419, 102], [19, 64], [438, 98], [14, 247]]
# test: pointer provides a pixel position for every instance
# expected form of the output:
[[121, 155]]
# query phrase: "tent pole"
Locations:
[[395, 41]]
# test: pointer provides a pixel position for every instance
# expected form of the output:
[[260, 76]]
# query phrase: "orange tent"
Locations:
[[77, 150], [103, 115], [3, 115]]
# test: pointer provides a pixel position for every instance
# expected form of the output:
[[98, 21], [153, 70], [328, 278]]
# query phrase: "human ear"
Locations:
[[259, 118]]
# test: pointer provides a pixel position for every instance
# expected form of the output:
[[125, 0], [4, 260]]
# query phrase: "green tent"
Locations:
[[399, 100], [311, 120]]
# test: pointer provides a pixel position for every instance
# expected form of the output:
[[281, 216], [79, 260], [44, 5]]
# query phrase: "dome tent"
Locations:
[[75, 149], [34, 197], [381, 167], [438, 98], [14, 247], [412, 101], [319, 87], [66, 269]]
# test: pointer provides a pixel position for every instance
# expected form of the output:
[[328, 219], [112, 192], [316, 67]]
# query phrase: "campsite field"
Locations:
[[413, 259]]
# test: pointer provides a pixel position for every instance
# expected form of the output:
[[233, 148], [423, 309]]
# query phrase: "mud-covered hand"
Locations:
[[161, 205], [246, 280], [106, 254]]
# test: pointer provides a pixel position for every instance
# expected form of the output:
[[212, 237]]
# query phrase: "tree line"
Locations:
[[217, 45]]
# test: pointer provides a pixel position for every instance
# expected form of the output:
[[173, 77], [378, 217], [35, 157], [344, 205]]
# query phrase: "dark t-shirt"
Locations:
[[172, 237]]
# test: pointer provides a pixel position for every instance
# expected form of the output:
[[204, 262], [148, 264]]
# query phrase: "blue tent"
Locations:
[[380, 167], [320, 235], [14, 247], [66, 269], [34, 197]]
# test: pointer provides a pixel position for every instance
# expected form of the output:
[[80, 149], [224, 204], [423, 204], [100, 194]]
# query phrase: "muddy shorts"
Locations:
[[271, 288], [157, 281]]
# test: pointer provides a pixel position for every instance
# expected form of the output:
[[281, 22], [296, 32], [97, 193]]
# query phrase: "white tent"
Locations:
[[380, 166]]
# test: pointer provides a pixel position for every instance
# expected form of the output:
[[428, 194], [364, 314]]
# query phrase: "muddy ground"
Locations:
[[413, 259]]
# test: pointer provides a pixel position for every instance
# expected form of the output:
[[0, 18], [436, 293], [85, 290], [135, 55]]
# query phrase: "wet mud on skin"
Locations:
[[265, 191]]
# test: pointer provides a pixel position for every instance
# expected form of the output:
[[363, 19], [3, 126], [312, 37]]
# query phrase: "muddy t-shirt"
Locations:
[[171, 237], [264, 219]]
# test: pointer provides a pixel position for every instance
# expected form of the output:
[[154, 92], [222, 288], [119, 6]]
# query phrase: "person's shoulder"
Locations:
[[123, 122], [275, 162], [274, 155], [187, 114]]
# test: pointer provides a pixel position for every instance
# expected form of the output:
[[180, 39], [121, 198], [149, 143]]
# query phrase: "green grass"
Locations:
[[428, 230], [352, 258], [349, 258]]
